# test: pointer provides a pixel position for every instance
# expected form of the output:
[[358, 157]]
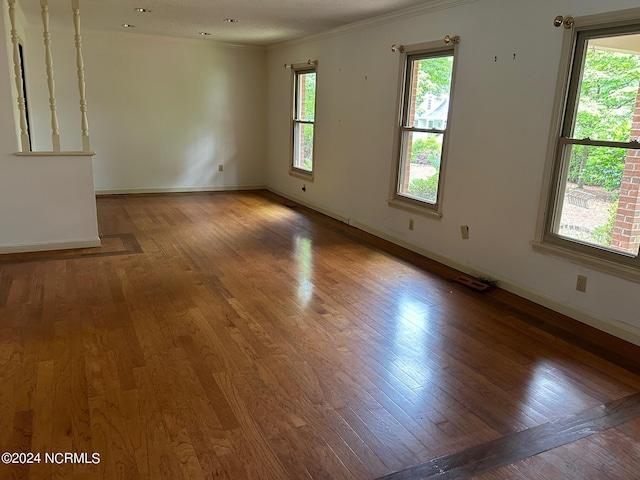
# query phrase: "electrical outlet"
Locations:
[[464, 230], [411, 224], [220, 168], [581, 283]]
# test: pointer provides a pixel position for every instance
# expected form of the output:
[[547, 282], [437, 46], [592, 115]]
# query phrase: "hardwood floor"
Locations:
[[240, 336]]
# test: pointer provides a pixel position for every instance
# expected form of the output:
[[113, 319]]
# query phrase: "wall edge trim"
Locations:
[[206, 188], [47, 246]]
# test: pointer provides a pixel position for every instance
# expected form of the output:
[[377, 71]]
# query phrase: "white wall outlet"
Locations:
[[220, 168], [581, 283], [464, 230]]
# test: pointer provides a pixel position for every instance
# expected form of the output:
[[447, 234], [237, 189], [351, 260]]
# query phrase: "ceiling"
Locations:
[[257, 22]]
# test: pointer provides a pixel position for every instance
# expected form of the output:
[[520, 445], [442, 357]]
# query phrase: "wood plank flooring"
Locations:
[[240, 336]]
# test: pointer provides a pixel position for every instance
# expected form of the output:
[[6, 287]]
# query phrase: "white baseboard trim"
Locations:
[[209, 188], [310, 205], [613, 327], [42, 247], [610, 326]]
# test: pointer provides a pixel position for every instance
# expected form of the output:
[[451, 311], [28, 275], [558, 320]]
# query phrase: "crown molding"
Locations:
[[430, 7]]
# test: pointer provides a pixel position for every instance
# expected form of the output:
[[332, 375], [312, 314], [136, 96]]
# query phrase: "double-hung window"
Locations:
[[592, 209], [426, 78], [304, 110]]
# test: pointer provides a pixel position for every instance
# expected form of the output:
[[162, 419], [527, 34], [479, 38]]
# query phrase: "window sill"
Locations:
[[612, 268], [301, 174], [413, 208]]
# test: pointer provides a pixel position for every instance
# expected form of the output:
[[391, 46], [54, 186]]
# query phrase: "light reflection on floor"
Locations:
[[304, 254], [413, 336], [548, 385], [413, 321]]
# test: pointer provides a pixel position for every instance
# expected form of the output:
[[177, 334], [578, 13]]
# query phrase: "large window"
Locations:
[[421, 136], [304, 109], [593, 208]]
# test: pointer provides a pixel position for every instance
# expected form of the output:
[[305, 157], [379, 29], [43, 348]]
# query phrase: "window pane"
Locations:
[[428, 103], [608, 89], [306, 96], [303, 146], [420, 165], [598, 201]]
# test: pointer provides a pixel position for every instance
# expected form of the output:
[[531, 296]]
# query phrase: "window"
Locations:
[[593, 205], [304, 108], [421, 136]]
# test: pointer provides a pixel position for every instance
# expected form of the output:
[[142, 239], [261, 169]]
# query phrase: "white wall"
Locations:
[[45, 202], [163, 112], [499, 131]]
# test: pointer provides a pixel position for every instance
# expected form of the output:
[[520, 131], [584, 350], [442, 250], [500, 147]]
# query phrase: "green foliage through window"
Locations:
[[426, 151], [607, 98], [426, 189]]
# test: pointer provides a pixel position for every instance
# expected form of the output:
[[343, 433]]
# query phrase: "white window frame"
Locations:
[[396, 198], [296, 123], [546, 241]]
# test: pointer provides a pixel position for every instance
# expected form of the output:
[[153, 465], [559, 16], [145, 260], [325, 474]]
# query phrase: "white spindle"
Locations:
[[17, 69], [75, 6], [55, 135]]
